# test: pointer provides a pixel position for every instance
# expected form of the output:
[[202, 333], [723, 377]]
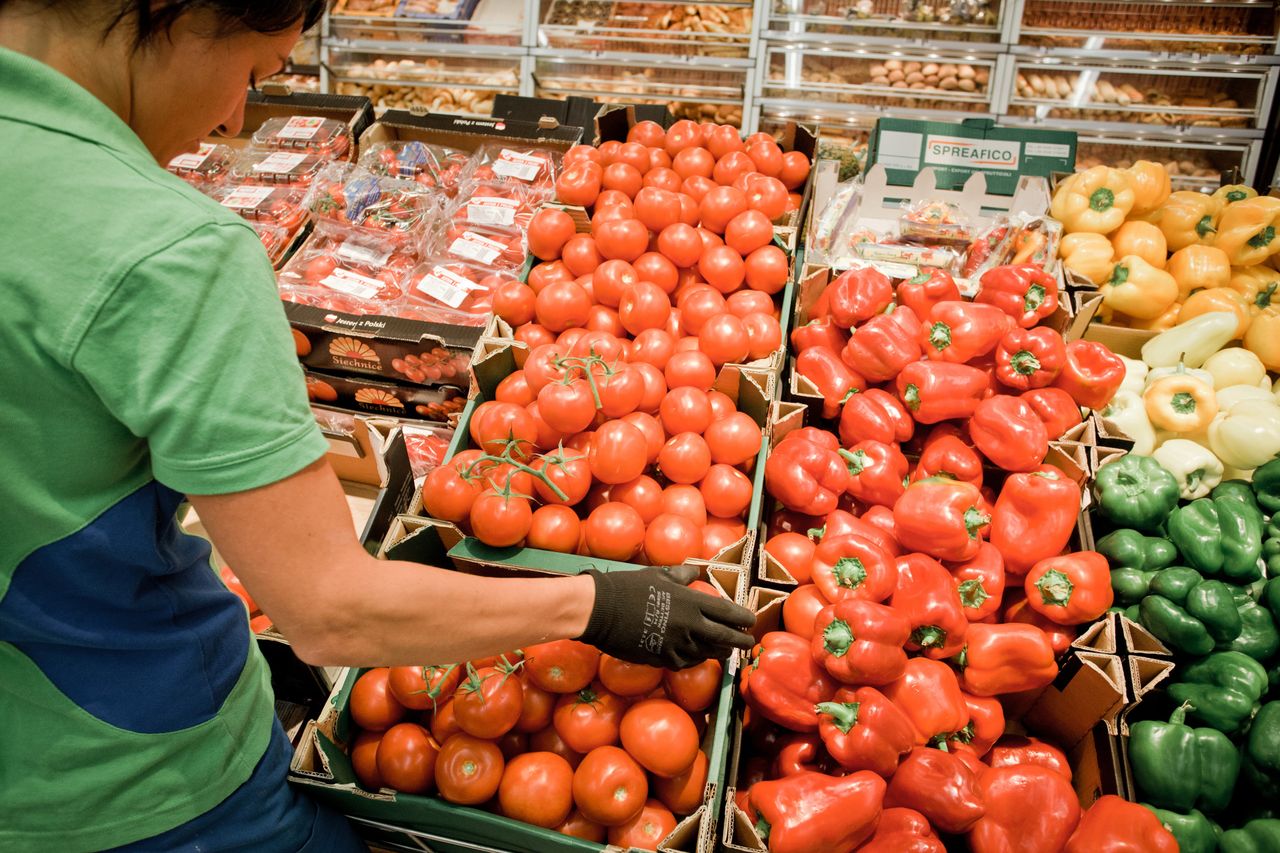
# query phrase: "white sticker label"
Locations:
[[475, 247], [492, 211], [247, 198], [352, 283], [191, 162], [368, 255], [972, 153], [446, 286], [513, 164], [1048, 149], [281, 162], [301, 127]]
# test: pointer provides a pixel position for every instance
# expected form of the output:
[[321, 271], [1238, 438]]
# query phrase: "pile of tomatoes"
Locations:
[[558, 736]]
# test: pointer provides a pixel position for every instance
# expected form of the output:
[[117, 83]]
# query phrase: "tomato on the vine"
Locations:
[[569, 471], [589, 718], [422, 687], [489, 702], [500, 520]]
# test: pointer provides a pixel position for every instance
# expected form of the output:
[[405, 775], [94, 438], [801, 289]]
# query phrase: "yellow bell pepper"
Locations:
[[1150, 182], [1180, 403], [1258, 285], [1165, 321], [1263, 338], [1138, 289], [1247, 230], [1088, 255], [1142, 239], [1198, 267], [1217, 299], [1096, 200], [1234, 192], [1188, 219]]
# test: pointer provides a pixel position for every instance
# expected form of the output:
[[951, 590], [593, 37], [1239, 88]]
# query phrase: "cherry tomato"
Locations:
[[568, 407], [364, 759], [537, 788], [687, 502], [618, 453], [719, 534], [671, 539], [609, 787], [720, 206], [422, 687], [578, 826], [685, 409], [685, 458], [468, 770], [734, 439], [723, 338], [662, 177], [548, 740], [660, 736], [767, 269], [767, 195], [723, 268], [726, 491], [589, 718], [554, 528], [625, 239], [562, 666], [406, 759], [690, 368], [500, 520], [548, 231], [643, 494], [764, 335], [373, 705], [614, 531], [657, 208], [579, 183], [488, 703], [562, 305]]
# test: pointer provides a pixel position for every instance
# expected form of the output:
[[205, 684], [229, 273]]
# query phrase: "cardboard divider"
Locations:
[[1134, 639]]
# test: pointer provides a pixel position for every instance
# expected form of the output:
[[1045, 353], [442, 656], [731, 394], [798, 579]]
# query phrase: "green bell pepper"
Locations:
[[1271, 555], [1256, 836], [1271, 597], [1181, 768], [1194, 832], [1238, 489], [1223, 690], [1258, 638], [1136, 491], [1263, 748], [1134, 558], [1266, 486], [1219, 536], [1188, 613]]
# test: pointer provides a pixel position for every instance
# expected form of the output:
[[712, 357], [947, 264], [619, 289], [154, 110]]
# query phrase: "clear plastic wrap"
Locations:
[[209, 165], [324, 136], [427, 447], [1034, 240], [503, 249], [349, 275], [275, 240], [399, 211], [276, 168], [987, 248], [528, 166], [427, 164], [442, 290], [280, 206], [936, 223], [494, 205]]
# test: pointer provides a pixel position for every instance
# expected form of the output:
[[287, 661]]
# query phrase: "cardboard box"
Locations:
[[393, 399], [280, 101], [971, 147], [468, 134], [572, 111]]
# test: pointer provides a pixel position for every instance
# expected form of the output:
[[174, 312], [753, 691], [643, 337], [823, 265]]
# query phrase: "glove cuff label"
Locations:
[[657, 611]]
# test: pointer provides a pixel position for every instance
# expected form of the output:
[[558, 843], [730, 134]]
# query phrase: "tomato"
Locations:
[[537, 705], [444, 724], [540, 366], [655, 387], [726, 491], [514, 388], [569, 338], [548, 231], [447, 496], [693, 162], [562, 305], [659, 160], [589, 718], [537, 788], [500, 520], [660, 736], [580, 255], [604, 319], [646, 830], [723, 268], [697, 187], [609, 151], [643, 494], [696, 687], [734, 439], [513, 302], [719, 534], [373, 705], [795, 170], [615, 531], [688, 209], [468, 770], [625, 239], [611, 280], [720, 206], [653, 346], [748, 231], [562, 666], [364, 759], [670, 540], [554, 528], [710, 240], [421, 687], [623, 177], [731, 167], [767, 156], [685, 409], [567, 406], [659, 270], [406, 759], [687, 502], [645, 306], [621, 389], [634, 154], [578, 826], [504, 425], [609, 199], [764, 335], [513, 743], [628, 679], [662, 177], [609, 787], [657, 208], [793, 552], [681, 244], [698, 306], [618, 453], [648, 133], [579, 153], [767, 269], [768, 196], [690, 368], [685, 458], [489, 703], [723, 338], [580, 183], [570, 472], [548, 438], [681, 135], [684, 794]]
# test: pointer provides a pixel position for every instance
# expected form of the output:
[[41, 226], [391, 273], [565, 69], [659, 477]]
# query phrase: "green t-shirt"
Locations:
[[145, 354]]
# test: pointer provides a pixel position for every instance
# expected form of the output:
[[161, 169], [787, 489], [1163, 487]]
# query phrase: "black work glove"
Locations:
[[649, 616]]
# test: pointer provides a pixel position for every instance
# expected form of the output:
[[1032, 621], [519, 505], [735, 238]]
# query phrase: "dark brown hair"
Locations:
[[149, 19]]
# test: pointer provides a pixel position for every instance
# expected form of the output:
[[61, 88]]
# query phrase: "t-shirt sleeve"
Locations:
[[192, 352]]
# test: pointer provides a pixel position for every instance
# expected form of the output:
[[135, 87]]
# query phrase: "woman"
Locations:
[[146, 357]]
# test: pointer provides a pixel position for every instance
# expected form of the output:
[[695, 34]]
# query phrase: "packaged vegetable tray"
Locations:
[[494, 205], [402, 212], [430, 165], [280, 206], [451, 291], [527, 166], [276, 168], [345, 275], [208, 165], [324, 136]]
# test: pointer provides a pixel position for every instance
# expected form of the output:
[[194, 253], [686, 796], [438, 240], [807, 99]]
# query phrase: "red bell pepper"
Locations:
[[816, 813], [968, 755], [863, 730], [842, 523], [1114, 825], [821, 437], [903, 831], [927, 597], [927, 289], [985, 726], [801, 752], [961, 331], [938, 785], [1092, 374], [860, 642], [941, 517], [875, 415], [980, 583], [1056, 409], [882, 346], [853, 567], [947, 453], [1034, 517], [831, 377], [877, 472], [1026, 293], [929, 693], [805, 476], [857, 295], [1030, 358], [1013, 750], [881, 518], [784, 682], [1018, 609], [1009, 433], [818, 333], [1070, 589], [1028, 808], [1008, 658], [936, 391]]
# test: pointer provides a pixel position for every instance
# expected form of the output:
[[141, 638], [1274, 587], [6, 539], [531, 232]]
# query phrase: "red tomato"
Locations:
[[610, 199], [681, 135], [444, 724], [767, 156], [618, 453], [671, 539], [726, 491], [447, 496], [548, 231], [623, 177], [795, 170], [500, 520], [514, 388], [685, 458], [657, 208], [406, 759], [744, 302], [609, 151], [731, 167], [633, 154], [655, 267], [562, 666], [764, 334], [625, 239], [802, 606], [653, 346], [589, 718], [719, 534], [543, 274], [698, 306], [614, 530], [562, 305], [659, 159], [768, 196], [580, 255], [364, 759], [724, 339], [689, 213], [648, 133], [734, 439], [609, 787], [537, 788], [611, 280], [554, 528], [696, 687], [646, 830], [660, 736], [643, 494], [504, 425], [681, 244], [644, 307], [538, 706], [723, 268], [468, 770], [579, 183], [661, 177], [722, 405], [578, 826], [720, 206], [683, 794], [693, 161], [570, 472], [423, 687], [687, 502], [628, 679], [748, 231], [604, 319], [547, 739], [373, 705], [697, 187], [767, 269], [621, 389], [489, 703], [514, 303], [579, 153], [794, 552], [690, 368], [604, 344], [685, 409]]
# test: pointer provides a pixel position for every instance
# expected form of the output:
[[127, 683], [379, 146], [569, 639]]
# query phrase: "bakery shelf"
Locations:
[[894, 22], [488, 22], [459, 83], [1193, 164], [708, 30]]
